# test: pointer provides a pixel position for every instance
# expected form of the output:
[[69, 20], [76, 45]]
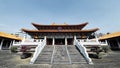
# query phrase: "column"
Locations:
[[14, 42], [10, 44], [65, 40], [96, 39], [45, 39], [74, 39], [40, 40], [118, 43], [53, 42], [1, 44], [106, 42]]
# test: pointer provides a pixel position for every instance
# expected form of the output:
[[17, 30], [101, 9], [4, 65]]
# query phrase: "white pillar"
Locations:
[[40, 40], [10, 44], [65, 40], [96, 39], [45, 39], [13, 42], [118, 43], [106, 42], [74, 39], [1, 44], [53, 42]]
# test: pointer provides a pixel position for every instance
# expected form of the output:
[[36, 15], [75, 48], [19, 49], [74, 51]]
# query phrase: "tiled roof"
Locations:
[[90, 30], [54, 24], [112, 35], [6, 35]]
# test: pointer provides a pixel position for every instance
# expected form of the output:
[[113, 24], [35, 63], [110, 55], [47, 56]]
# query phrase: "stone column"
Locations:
[[1, 44], [74, 39], [106, 42], [65, 40], [10, 44], [45, 39], [53, 42], [96, 39]]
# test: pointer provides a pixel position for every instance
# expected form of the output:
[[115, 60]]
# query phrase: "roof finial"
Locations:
[[53, 23]]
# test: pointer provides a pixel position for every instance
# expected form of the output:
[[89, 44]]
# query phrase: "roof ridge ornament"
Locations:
[[59, 24], [53, 23]]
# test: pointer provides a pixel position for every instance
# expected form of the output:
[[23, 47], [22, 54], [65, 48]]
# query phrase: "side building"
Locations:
[[6, 40], [113, 40]]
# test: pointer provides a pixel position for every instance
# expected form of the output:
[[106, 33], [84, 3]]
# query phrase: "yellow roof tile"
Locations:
[[6, 35], [112, 35]]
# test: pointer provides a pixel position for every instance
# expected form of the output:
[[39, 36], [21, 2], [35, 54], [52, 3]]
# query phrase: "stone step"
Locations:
[[43, 59], [75, 55], [60, 55], [59, 66], [45, 55]]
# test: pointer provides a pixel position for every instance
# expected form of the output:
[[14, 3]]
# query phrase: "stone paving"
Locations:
[[11, 60], [8, 60]]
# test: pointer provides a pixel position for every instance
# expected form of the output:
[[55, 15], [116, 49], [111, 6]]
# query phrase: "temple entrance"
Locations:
[[49, 41], [59, 41], [70, 41]]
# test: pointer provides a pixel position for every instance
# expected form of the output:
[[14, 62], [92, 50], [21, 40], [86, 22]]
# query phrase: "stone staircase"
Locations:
[[75, 55], [45, 56], [60, 54]]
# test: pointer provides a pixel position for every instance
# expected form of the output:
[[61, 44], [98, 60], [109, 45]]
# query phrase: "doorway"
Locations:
[[69, 41], [49, 41], [59, 41]]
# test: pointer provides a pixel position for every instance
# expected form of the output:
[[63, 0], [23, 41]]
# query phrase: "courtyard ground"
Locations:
[[11, 60]]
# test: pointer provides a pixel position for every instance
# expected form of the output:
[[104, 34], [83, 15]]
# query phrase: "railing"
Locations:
[[27, 42], [38, 50], [89, 41], [83, 51], [16, 43], [103, 43]]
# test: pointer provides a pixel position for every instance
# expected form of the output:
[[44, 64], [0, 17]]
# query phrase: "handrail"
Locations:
[[27, 42], [38, 50], [83, 51]]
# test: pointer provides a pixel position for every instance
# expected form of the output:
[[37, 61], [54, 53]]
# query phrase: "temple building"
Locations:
[[60, 34], [6, 40], [61, 43], [113, 40]]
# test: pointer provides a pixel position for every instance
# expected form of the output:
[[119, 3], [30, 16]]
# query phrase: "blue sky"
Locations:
[[17, 14]]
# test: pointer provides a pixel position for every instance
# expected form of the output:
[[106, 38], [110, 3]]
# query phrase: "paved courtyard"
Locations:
[[10, 60]]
